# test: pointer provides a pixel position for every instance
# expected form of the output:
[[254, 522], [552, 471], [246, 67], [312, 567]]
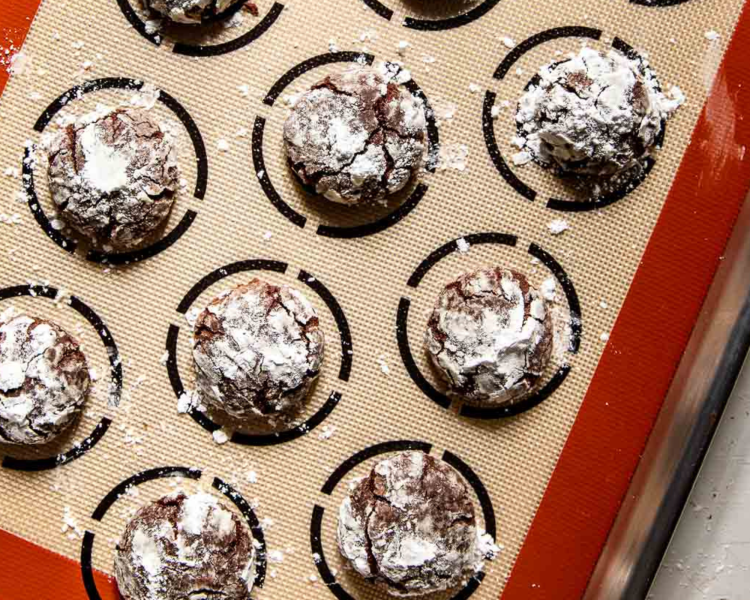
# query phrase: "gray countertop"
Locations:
[[709, 556]]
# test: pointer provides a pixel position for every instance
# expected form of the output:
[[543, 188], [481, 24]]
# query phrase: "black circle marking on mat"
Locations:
[[87, 571], [316, 523], [139, 478], [474, 239], [261, 562], [265, 181], [570, 293], [310, 64], [338, 314], [657, 3], [434, 24], [490, 525], [43, 464], [333, 231], [66, 243], [347, 352], [402, 320], [490, 140], [242, 41], [129, 257], [453, 22], [380, 9], [197, 50], [468, 410], [359, 231], [345, 467], [219, 274], [541, 38]]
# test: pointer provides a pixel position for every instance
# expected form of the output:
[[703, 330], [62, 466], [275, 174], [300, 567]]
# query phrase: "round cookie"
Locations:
[[113, 176], [183, 547], [189, 12], [257, 348], [490, 336], [356, 136], [44, 379], [410, 526], [593, 115]]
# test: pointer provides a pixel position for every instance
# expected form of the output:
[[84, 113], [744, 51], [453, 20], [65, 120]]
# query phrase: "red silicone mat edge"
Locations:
[[645, 345]]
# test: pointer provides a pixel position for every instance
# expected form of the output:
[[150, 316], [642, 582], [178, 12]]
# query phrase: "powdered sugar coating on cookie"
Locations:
[[185, 546], [113, 175], [44, 379], [410, 526], [593, 114], [356, 136], [490, 336], [190, 12], [257, 348]]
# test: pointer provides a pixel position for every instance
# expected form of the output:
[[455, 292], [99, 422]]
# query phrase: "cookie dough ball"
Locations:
[[190, 12], [410, 526], [44, 379], [113, 176], [356, 136], [593, 115], [490, 336], [185, 547], [258, 348]]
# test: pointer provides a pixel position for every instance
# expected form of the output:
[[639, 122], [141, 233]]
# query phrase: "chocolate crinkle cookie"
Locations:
[[44, 379], [190, 12], [113, 176], [258, 348], [593, 115], [356, 136], [410, 527], [490, 336], [185, 547]]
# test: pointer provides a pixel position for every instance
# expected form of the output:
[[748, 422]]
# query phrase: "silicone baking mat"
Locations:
[[632, 269]]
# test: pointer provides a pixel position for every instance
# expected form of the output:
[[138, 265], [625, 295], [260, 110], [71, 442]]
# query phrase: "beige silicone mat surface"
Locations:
[[74, 41]]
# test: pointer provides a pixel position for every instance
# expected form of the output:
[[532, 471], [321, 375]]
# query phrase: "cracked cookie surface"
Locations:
[[113, 176], [410, 526], [44, 379], [356, 136], [490, 336], [185, 547], [257, 348], [593, 114], [190, 12]]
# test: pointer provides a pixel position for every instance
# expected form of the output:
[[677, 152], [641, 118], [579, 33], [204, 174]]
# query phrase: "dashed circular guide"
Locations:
[[257, 373], [113, 174]]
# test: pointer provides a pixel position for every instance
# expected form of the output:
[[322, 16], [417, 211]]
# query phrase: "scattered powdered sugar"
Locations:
[[453, 156], [384, 368], [462, 245], [220, 436], [326, 432], [558, 226], [549, 289]]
